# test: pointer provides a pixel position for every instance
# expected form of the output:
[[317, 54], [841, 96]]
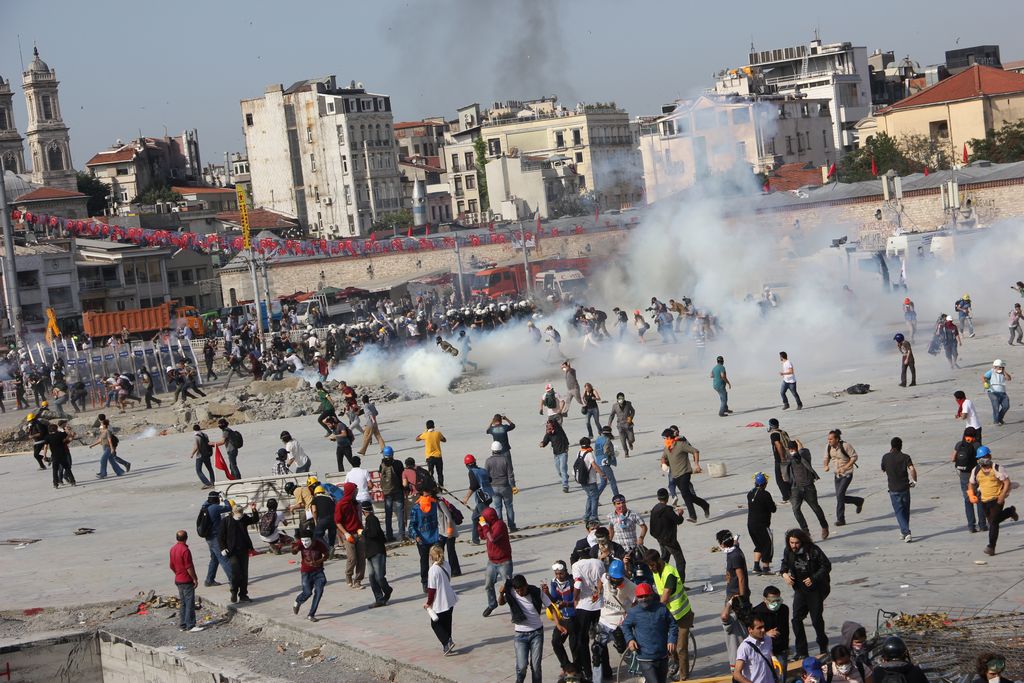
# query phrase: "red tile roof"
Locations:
[[401, 125], [259, 219], [977, 81], [112, 156], [203, 190], [794, 176], [43, 194]]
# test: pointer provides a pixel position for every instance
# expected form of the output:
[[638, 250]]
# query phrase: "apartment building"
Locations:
[[128, 170]]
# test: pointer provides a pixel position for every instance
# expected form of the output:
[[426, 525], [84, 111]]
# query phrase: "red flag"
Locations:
[[874, 167], [538, 222], [410, 231], [926, 170], [218, 462], [427, 233], [597, 215], [965, 152], [831, 170], [767, 187]]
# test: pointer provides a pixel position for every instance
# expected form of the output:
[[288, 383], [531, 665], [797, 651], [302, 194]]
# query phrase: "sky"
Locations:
[[130, 66]]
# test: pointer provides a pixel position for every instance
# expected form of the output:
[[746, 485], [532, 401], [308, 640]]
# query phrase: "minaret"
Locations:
[[12, 152], [49, 142]]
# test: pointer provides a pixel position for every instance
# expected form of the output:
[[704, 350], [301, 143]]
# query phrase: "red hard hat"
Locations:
[[643, 589], [469, 460]]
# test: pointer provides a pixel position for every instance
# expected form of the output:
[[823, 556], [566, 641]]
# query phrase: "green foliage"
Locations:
[[1000, 146], [910, 154], [96, 191], [596, 106], [480, 150], [157, 193], [395, 221]]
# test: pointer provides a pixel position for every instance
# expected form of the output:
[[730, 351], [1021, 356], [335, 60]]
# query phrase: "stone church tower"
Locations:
[[12, 155], [49, 142]]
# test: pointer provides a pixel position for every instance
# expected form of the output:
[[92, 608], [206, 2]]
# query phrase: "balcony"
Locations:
[[96, 285]]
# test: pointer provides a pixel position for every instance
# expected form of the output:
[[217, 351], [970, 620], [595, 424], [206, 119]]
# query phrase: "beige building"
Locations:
[[460, 162], [953, 111], [525, 186], [323, 153], [128, 170], [714, 136]]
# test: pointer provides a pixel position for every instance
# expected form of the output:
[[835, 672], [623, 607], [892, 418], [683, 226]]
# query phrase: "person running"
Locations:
[[587, 473], [186, 581], [1016, 333], [779, 440], [720, 383], [368, 420], [950, 340], [652, 633], [963, 311], [844, 456], [604, 453], [907, 360], [327, 409], [447, 534], [788, 382], [423, 529], [995, 385], [665, 521], [552, 405], [324, 528], [676, 455], [231, 440], [60, 456], [271, 524], [314, 552], [441, 599], [560, 592], [572, 386], [526, 604], [555, 436], [350, 527], [965, 411], [343, 439], [965, 459], [902, 476], [432, 440], [499, 555], [591, 408], [623, 413], [807, 570], [990, 485], [376, 555], [297, 457], [671, 592], [760, 508], [104, 439], [802, 477]]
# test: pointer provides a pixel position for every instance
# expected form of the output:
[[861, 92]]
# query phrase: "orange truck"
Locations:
[[168, 315], [494, 283]]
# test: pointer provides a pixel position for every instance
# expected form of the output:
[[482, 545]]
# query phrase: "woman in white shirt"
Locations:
[[441, 599]]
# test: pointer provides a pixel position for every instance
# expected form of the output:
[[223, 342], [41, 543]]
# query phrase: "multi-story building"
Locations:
[[420, 138], [837, 72], [963, 58], [46, 278], [525, 186], [12, 151], [131, 169], [712, 136], [460, 161], [324, 154]]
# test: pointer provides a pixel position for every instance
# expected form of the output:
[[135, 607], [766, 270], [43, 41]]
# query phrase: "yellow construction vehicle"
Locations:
[[52, 330]]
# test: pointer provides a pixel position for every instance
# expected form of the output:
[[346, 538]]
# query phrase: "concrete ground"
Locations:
[[135, 517]]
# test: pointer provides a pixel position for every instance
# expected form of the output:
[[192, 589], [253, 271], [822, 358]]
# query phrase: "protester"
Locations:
[[235, 545], [350, 527], [802, 488], [779, 440], [721, 384], [788, 382], [231, 440], [619, 595], [754, 655], [526, 603], [902, 476], [672, 594], [588, 599], [296, 454], [423, 529], [604, 454], [560, 593], [995, 385], [676, 455], [775, 615], [760, 508], [555, 436], [651, 632], [499, 554], [623, 414], [965, 411], [314, 553], [844, 456], [807, 570], [503, 484], [665, 522], [186, 581], [441, 599], [376, 555], [368, 421], [270, 528], [587, 473], [990, 485], [432, 440], [447, 534], [896, 666], [390, 471]]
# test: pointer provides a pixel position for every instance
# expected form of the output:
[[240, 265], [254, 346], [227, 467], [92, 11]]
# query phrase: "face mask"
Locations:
[[621, 401], [773, 606], [237, 515], [857, 647], [306, 542], [843, 668]]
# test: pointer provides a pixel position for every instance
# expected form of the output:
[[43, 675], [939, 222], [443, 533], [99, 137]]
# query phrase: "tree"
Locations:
[[395, 221], [1001, 146], [480, 148], [887, 154], [157, 193], [96, 192]]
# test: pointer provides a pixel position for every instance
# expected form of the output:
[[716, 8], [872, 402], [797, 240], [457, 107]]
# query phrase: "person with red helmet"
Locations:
[[910, 316], [479, 490], [651, 632]]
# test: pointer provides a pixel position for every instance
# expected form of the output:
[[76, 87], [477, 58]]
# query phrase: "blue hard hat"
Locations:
[[760, 479], [616, 570], [984, 452], [388, 452]]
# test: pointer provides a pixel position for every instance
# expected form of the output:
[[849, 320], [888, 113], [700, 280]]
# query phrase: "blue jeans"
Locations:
[[654, 670], [671, 485], [609, 473], [108, 458], [590, 511], [216, 559], [723, 401], [1000, 404], [202, 462], [187, 605], [491, 577], [312, 584], [376, 567], [233, 463], [595, 415], [901, 506], [391, 501], [562, 468], [529, 646], [790, 386], [969, 508], [502, 495], [478, 509]]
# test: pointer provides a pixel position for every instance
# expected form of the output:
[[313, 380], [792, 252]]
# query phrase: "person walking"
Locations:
[[323, 524], [60, 455], [423, 529], [591, 408], [625, 526], [604, 454], [314, 552], [1016, 334], [670, 591], [447, 534], [995, 384], [186, 581], [910, 317], [390, 472], [650, 632], [555, 436], [551, 404], [499, 555], [802, 477], [807, 570], [441, 599], [754, 655], [760, 508], [526, 603], [498, 431], [104, 440], [368, 421], [343, 438], [966, 411], [720, 383], [503, 484], [350, 527], [965, 459], [844, 456], [623, 413], [902, 476], [572, 386], [907, 362], [963, 311], [235, 545], [231, 440], [676, 455], [779, 440], [949, 339], [560, 593], [376, 555], [297, 458], [208, 523], [990, 485], [432, 440], [209, 355], [202, 451], [586, 472], [788, 382], [665, 522], [479, 490]]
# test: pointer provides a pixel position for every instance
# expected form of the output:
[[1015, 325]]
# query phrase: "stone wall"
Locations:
[[50, 658]]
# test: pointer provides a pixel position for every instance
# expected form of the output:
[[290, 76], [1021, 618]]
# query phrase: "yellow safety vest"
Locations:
[[678, 602]]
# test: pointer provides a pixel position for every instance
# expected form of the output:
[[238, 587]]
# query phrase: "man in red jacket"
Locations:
[[314, 552], [186, 581], [499, 554], [350, 528]]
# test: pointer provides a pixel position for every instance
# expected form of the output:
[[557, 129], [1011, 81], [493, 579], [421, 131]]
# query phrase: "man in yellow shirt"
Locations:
[[991, 484], [432, 440]]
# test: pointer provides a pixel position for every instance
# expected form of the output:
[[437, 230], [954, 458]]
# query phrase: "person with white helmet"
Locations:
[[995, 384], [503, 483], [950, 339]]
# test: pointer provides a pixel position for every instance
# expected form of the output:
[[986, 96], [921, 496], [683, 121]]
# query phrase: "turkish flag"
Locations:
[[926, 170], [767, 185], [965, 152], [427, 230], [218, 462], [832, 170], [410, 232], [597, 215], [874, 167]]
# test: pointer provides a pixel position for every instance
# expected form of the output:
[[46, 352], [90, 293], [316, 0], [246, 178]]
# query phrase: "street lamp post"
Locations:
[[10, 267]]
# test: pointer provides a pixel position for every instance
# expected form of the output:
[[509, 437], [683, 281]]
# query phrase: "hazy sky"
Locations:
[[126, 66]]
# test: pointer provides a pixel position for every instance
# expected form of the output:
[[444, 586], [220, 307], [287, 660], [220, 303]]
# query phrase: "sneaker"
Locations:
[[840, 523], [208, 584], [387, 594], [908, 539], [487, 611], [127, 467], [1013, 514], [449, 648], [378, 603], [974, 529], [824, 533], [295, 608], [860, 506], [182, 629], [565, 489], [989, 550], [196, 629], [785, 501], [691, 519], [244, 598], [234, 598], [707, 511], [785, 407], [800, 406]]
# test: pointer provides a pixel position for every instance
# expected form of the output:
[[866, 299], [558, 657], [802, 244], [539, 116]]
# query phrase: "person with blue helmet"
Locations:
[[619, 596], [990, 484], [760, 508]]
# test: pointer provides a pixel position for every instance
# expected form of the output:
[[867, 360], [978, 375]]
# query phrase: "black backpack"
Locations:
[[236, 440], [581, 471], [114, 441], [966, 456], [204, 525], [424, 480], [268, 523], [204, 445], [455, 512], [549, 399]]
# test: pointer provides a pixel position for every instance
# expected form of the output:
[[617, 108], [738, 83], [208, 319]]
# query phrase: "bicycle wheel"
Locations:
[[629, 669], [693, 654]]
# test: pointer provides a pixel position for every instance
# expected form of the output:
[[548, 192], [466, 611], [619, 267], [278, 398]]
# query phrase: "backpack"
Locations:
[[204, 525], [858, 389], [424, 480], [387, 478], [581, 471], [966, 456], [204, 445], [235, 439], [268, 523], [114, 441], [483, 480], [455, 512], [549, 399]]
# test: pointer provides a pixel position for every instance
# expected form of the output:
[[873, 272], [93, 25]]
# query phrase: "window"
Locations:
[[470, 182], [579, 157], [380, 104], [312, 162], [187, 276], [460, 207], [352, 104], [309, 135], [807, 139], [800, 142], [248, 119], [577, 137], [704, 119], [824, 139], [469, 160], [416, 149], [172, 278], [740, 116], [494, 147], [741, 150], [805, 110], [341, 135], [458, 186], [330, 106], [4, 120], [124, 196], [316, 193], [472, 206], [559, 139], [47, 107], [789, 144], [938, 130], [668, 128], [723, 118], [348, 194], [122, 170], [455, 163], [366, 105]]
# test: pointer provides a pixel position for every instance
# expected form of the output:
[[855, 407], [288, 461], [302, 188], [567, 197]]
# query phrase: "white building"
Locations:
[[837, 72], [324, 154]]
